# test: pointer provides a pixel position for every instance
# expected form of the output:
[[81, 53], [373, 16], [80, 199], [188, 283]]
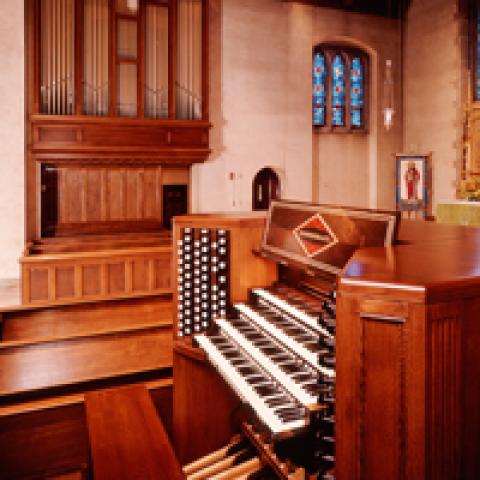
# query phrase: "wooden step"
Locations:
[[71, 320], [40, 368], [97, 242]]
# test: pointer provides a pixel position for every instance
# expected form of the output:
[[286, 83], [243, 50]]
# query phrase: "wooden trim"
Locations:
[[205, 60], [127, 121], [172, 59], [79, 55]]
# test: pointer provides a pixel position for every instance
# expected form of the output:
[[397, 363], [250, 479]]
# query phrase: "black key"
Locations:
[[277, 401], [266, 390]]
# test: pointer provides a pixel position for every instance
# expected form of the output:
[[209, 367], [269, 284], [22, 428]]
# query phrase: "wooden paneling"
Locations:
[[65, 282], [40, 443], [170, 141], [197, 427], [90, 195], [38, 284], [82, 276], [91, 284], [383, 380], [401, 398]]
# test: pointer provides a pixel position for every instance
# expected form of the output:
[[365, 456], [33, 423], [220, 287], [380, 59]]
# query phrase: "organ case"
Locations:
[[406, 361]]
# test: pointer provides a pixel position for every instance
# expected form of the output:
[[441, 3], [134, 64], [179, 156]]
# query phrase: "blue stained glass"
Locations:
[[356, 93], [338, 91], [319, 97]]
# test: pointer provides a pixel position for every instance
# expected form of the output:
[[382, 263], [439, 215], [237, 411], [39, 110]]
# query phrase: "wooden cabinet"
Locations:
[[407, 358]]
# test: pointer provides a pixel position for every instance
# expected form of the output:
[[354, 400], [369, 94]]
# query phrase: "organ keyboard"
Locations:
[[277, 352], [358, 359]]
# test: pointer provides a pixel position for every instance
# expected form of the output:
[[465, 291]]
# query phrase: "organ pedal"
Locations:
[[245, 457]]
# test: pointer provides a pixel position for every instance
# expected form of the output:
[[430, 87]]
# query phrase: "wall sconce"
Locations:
[[388, 100]]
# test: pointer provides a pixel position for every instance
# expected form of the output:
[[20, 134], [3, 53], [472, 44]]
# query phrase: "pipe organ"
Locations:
[[114, 86], [57, 27], [342, 367]]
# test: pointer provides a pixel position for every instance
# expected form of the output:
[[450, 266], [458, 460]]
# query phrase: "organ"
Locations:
[[357, 361]]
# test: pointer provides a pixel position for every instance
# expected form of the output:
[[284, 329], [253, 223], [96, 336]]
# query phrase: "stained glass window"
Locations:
[[319, 89], [339, 88], [338, 91], [356, 93]]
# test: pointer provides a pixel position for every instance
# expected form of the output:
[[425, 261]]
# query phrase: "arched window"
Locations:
[[319, 89], [338, 91], [356, 93], [339, 88]]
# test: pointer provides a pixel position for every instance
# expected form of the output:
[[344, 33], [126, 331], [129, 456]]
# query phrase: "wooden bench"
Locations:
[[127, 438]]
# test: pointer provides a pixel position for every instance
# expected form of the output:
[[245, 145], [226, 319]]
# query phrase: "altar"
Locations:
[[459, 212]]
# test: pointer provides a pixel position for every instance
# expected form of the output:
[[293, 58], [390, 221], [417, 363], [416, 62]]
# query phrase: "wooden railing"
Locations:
[[75, 277]]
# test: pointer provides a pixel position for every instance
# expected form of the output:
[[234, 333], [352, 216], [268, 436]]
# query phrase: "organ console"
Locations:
[[357, 361]]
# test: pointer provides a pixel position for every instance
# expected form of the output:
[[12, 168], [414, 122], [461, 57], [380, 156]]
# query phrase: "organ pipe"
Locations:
[[189, 63], [57, 24], [156, 61], [96, 80]]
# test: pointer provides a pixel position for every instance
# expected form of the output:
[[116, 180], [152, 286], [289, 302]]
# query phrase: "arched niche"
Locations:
[[265, 188]]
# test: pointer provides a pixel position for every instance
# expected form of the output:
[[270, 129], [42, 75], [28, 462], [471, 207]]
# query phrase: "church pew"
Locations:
[[36, 368], [48, 438], [127, 438]]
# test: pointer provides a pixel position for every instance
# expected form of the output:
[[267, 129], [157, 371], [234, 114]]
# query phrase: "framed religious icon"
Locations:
[[413, 185]]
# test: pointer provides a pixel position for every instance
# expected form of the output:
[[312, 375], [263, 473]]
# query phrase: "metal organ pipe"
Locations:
[[57, 65], [156, 64], [189, 81], [96, 57]]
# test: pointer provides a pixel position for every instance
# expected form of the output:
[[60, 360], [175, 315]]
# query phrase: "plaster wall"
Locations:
[[260, 107], [433, 89], [11, 137], [358, 169]]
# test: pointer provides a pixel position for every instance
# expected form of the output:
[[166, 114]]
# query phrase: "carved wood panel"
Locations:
[[89, 196]]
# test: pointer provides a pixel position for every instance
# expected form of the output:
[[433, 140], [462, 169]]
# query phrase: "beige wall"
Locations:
[[261, 107], [359, 169], [11, 136], [433, 89]]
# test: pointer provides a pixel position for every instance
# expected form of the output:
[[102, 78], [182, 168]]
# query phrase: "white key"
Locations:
[[293, 311], [283, 338], [245, 391], [294, 388]]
